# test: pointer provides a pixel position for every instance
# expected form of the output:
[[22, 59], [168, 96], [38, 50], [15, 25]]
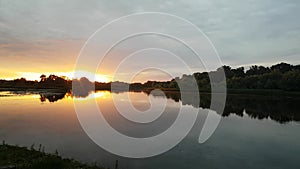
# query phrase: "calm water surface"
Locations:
[[255, 131]]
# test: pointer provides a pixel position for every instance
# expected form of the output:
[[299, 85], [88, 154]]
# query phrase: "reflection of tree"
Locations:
[[51, 97], [279, 109]]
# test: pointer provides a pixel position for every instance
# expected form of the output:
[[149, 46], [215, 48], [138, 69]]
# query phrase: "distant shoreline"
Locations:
[[264, 92], [279, 79]]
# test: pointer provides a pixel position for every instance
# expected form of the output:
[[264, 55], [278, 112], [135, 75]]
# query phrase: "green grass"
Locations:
[[24, 158]]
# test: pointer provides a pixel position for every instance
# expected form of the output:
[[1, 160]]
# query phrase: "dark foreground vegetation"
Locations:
[[280, 77], [15, 157]]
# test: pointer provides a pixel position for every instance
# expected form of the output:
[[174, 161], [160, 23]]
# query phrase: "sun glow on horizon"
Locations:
[[68, 75]]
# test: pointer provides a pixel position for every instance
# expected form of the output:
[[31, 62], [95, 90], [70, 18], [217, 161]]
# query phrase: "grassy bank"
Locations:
[[15, 157]]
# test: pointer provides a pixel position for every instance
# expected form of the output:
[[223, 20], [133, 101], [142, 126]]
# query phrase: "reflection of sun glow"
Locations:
[[12, 96], [36, 96], [99, 94]]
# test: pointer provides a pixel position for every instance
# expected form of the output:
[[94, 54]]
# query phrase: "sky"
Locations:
[[46, 36]]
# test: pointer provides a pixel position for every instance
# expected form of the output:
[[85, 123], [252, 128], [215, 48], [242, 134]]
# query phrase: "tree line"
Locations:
[[282, 76], [50, 82]]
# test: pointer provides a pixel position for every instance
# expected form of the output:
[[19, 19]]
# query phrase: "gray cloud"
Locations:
[[244, 32]]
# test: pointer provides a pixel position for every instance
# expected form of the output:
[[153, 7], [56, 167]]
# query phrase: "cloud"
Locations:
[[243, 32]]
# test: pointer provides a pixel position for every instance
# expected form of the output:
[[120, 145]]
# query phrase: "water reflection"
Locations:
[[51, 97], [281, 109], [238, 142]]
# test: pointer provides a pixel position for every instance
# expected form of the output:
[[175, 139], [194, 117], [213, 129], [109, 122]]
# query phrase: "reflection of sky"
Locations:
[[95, 95], [239, 142], [46, 36]]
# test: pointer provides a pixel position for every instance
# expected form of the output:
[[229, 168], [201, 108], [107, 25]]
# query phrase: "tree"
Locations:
[[282, 67], [43, 78]]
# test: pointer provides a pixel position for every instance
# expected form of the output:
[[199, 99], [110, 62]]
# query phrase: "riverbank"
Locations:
[[15, 157]]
